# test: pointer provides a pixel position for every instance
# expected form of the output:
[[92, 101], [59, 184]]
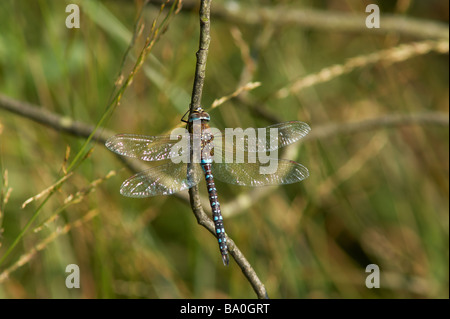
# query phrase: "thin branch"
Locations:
[[202, 218], [385, 121], [202, 54], [53, 120], [321, 20], [248, 271], [67, 125]]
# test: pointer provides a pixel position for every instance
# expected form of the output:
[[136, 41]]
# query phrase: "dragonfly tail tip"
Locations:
[[225, 259]]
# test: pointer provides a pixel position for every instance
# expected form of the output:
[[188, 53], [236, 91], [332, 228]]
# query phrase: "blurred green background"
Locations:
[[377, 196]]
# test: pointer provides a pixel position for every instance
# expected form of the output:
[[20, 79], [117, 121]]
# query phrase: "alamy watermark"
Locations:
[[373, 19], [73, 279], [373, 279], [73, 19]]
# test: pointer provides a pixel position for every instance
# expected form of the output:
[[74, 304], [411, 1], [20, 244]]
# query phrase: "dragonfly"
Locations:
[[183, 165]]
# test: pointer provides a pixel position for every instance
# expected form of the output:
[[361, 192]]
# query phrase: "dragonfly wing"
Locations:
[[254, 140], [253, 174], [288, 133], [147, 148], [164, 179]]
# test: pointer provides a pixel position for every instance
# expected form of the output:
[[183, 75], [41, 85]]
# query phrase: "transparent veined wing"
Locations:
[[287, 133], [156, 148], [164, 179], [250, 174], [267, 139], [147, 148]]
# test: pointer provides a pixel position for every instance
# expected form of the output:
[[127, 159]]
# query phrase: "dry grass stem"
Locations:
[[247, 87], [47, 190], [389, 56], [25, 258]]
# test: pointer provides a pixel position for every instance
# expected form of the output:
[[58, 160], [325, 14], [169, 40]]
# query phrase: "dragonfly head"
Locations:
[[199, 114]]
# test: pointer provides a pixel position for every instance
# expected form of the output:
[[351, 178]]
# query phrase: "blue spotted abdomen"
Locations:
[[215, 207]]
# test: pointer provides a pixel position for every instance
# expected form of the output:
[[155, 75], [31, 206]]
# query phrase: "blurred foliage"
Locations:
[[373, 197]]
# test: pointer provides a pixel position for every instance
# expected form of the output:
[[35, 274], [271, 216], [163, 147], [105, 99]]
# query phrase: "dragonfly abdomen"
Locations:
[[216, 213]]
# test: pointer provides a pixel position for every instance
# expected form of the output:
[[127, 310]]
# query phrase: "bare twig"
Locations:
[[197, 208], [247, 269], [202, 54], [322, 20], [67, 125], [55, 121], [385, 121]]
